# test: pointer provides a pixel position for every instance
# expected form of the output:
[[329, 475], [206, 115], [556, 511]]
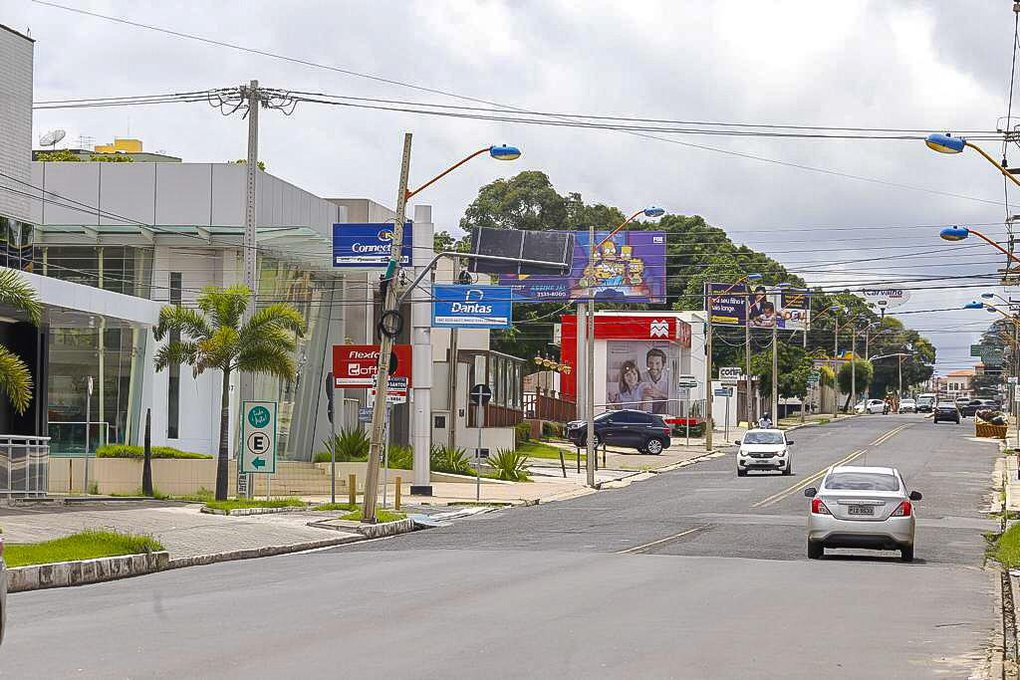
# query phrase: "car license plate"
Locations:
[[861, 510]]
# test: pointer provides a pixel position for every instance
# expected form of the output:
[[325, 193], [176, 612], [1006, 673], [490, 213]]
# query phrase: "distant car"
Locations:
[[764, 450], [861, 507], [970, 408], [946, 411], [961, 404], [872, 406], [925, 403], [627, 428], [975, 405], [908, 406]]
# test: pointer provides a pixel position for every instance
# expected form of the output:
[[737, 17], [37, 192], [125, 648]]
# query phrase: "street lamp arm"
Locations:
[[1004, 171], [993, 243], [623, 224], [446, 172]]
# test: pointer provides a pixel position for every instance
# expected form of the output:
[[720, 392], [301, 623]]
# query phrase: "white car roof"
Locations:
[[764, 429], [864, 469]]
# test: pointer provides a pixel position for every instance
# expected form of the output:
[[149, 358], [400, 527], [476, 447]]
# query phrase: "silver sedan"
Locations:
[[861, 507]]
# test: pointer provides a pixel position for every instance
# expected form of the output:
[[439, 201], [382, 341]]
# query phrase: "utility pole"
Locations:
[[708, 372], [250, 243], [775, 376], [387, 334], [853, 365], [452, 369], [748, 408], [589, 369]]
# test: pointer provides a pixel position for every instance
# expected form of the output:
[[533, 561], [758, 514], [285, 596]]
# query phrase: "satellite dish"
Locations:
[[52, 137]]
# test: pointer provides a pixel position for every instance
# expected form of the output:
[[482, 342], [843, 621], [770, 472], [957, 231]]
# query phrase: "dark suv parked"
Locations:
[[628, 428], [975, 405]]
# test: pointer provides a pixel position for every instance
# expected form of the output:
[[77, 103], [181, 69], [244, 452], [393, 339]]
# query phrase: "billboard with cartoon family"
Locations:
[[737, 304], [629, 267]]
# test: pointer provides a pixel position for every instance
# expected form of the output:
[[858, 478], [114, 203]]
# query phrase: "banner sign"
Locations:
[[630, 267], [886, 297], [639, 375], [457, 306], [355, 366], [727, 303], [793, 310], [367, 245]]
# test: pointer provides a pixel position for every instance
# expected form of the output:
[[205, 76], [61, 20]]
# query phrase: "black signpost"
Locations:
[[480, 395]]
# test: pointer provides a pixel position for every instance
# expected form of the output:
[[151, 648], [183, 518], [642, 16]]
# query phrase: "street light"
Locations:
[[957, 233], [391, 322], [587, 312], [947, 144]]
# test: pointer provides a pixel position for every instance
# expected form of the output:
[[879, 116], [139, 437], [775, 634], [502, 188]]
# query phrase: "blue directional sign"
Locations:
[[457, 306], [367, 245]]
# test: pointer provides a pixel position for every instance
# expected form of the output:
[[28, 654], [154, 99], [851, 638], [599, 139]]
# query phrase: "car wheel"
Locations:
[[653, 446], [788, 470], [907, 554], [815, 550], [741, 473]]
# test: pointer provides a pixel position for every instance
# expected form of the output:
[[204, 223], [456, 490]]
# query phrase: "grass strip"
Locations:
[[84, 545], [325, 507], [1007, 549], [238, 503], [540, 450], [380, 514]]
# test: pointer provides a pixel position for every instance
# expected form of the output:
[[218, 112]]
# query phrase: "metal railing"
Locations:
[[24, 466]]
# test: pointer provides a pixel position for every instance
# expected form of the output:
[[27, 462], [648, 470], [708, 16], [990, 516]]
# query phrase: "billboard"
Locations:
[[727, 303], [355, 366], [643, 375], [457, 306], [787, 308], [630, 267], [368, 245]]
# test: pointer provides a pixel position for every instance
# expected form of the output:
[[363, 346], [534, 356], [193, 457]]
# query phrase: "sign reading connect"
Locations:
[[258, 437], [368, 245]]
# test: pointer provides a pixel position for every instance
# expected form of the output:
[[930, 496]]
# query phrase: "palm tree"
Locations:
[[15, 378], [214, 337]]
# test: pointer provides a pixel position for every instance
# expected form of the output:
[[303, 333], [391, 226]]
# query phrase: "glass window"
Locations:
[[764, 437], [862, 481]]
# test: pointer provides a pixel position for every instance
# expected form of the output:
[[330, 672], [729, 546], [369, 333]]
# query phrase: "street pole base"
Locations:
[[423, 490]]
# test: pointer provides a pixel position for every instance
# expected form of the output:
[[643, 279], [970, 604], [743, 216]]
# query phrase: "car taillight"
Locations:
[[818, 507], [666, 431], [903, 510]]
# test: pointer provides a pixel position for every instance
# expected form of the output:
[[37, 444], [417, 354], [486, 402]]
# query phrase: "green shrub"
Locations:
[[552, 430], [696, 430], [509, 465], [522, 432], [127, 451], [401, 457], [453, 461], [351, 445], [237, 503]]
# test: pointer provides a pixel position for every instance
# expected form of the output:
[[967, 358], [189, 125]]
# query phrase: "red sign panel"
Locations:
[[355, 366], [633, 328]]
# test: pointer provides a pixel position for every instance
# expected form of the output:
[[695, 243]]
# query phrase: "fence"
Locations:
[[545, 405], [24, 465]]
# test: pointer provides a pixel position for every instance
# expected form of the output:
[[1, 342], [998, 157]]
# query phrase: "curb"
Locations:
[[265, 551], [83, 572], [401, 526], [241, 512]]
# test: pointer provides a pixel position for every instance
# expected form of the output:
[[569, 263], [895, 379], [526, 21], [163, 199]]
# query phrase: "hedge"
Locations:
[[126, 451]]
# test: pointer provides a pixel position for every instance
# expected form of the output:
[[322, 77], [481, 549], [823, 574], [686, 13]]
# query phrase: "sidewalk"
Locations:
[[182, 529]]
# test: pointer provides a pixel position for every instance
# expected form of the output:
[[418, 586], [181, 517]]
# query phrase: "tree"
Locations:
[[525, 201], [15, 378], [214, 337], [68, 156], [794, 366], [847, 382]]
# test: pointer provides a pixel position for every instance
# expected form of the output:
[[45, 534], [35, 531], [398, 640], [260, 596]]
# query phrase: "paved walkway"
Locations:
[[182, 529]]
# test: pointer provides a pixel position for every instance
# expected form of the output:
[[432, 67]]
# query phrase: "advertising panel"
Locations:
[[642, 375], [727, 303], [457, 306], [793, 309], [630, 267], [355, 366], [367, 245]]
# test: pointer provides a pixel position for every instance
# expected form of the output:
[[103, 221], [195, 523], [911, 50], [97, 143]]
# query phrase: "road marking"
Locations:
[[803, 484], [889, 435], [645, 546]]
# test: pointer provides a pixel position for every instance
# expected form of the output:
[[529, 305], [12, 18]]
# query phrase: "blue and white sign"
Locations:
[[457, 306], [367, 245]]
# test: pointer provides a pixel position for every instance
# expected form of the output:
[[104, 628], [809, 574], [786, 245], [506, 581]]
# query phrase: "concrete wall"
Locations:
[[16, 53]]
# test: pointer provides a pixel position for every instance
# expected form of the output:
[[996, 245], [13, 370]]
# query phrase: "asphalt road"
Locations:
[[692, 574]]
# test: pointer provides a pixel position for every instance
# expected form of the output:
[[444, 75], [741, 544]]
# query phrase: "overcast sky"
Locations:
[[938, 65]]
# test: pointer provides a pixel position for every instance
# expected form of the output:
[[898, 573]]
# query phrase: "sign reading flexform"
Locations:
[[355, 366], [367, 245], [457, 306], [258, 437]]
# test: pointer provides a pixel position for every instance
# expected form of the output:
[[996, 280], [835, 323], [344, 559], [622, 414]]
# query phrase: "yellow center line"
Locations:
[[803, 484], [645, 546]]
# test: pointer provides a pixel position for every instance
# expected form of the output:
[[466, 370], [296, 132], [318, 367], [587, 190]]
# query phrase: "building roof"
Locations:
[[962, 373], [17, 33]]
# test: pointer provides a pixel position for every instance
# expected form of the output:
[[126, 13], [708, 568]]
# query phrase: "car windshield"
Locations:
[[862, 481], [764, 437], [907, 401]]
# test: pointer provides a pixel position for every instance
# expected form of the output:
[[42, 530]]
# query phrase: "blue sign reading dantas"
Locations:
[[367, 245], [457, 306]]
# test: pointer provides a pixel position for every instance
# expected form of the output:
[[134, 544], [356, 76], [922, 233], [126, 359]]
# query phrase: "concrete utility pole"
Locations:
[[387, 334], [250, 243], [421, 356], [775, 377], [589, 368], [748, 408], [708, 375], [452, 369]]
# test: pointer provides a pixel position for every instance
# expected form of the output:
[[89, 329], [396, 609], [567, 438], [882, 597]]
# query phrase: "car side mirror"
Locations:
[[915, 495], [789, 442], [737, 442], [810, 492]]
